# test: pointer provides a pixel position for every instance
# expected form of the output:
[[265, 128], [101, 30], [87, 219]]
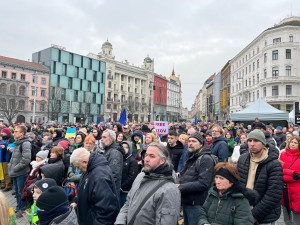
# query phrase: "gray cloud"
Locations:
[[196, 37]]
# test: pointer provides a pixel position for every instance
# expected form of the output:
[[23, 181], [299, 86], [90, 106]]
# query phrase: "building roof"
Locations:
[[107, 43], [148, 59], [22, 62]]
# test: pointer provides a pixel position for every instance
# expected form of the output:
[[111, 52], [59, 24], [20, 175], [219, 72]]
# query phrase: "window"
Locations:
[[42, 107], [4, 74], [94, 97], [64, 69], [34, 79], [288, 89], [71, 59], [95, 76], [108, 106], [246, 83], [275, 71], [13, 89], [122, 88], [253, 66], [136, 81], [109, 84], [90, 64], [33, 91], [89, 86], [253, 80], [288, 53], [43, 92], [291, 38], [13, 76], [43, 81], [128, 89], [70, 82], [265, 58], [249, 68], [288, 71], [257, 94], [265, 91], [257, 64], [275, 90], [276, 41], [275, 55], [122, 78], [23, 77], [76, 71], [265, 73], [128, 79], [85, 74], [21, 105], [257, 77], [22, 91], [249, 81], [63, 94]]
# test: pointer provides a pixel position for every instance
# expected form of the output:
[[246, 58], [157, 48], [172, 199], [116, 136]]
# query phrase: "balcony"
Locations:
[[109, 99], [281, 98], [279, 79]]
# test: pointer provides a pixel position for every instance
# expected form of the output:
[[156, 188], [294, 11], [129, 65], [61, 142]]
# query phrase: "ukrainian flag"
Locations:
[[71, 132], [139, 144]]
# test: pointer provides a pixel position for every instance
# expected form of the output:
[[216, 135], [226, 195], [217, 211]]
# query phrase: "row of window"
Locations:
[[288, 55], [123, 77], [42, 92], [14, 76], [12, 89], [275, 41], [20, 105]]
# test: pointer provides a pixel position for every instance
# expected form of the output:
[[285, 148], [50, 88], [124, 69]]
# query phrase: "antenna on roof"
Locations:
[[291, 7]]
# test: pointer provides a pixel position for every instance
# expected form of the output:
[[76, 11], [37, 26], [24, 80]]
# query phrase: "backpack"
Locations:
[[214, 158], [33, 151]]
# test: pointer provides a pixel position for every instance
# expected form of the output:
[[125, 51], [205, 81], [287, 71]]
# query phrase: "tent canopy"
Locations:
[[261, 110]]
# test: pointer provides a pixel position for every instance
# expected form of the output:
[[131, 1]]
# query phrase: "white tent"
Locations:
[[261, 110]]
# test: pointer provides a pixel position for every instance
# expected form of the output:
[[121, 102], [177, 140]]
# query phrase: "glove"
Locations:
[[296, 176]]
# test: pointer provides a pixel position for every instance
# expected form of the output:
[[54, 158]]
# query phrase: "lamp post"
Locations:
[[34, 99]]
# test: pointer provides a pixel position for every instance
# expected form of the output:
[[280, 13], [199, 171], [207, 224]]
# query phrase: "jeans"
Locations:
[[191, 214], [293, 219], [19, 183]]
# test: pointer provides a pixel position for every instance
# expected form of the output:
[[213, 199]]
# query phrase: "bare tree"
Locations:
[[10, 109], [55, 104]]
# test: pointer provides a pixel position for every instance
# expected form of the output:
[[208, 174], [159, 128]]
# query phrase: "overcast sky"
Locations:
[[196, 37]]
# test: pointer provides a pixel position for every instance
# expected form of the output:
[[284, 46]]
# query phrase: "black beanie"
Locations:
[[45, 183], [51, 198], [198, 136]]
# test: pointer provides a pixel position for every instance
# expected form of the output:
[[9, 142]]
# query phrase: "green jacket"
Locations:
[[230, 208], [231, 144]]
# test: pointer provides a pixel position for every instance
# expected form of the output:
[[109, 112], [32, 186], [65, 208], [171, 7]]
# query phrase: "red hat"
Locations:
[[65, 144], [6, 130]]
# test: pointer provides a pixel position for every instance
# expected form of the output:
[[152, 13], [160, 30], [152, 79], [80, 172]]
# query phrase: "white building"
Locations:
[[126, 86], [268, 68], [173, 98]]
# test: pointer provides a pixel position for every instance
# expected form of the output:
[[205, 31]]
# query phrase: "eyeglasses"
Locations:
[[215, 131]]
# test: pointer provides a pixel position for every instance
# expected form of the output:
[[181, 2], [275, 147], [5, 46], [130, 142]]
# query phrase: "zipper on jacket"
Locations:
[[217, 209]]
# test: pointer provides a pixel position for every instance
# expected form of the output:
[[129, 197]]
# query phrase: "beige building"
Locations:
[[225, 91], [126, 86]]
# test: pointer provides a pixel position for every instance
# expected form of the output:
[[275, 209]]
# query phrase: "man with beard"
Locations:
[[153, 198], [113, 156], [195, 179]]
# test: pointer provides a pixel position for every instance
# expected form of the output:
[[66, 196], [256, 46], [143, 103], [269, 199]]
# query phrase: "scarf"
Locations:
[[51, 160], [46, 217], [36, 164]]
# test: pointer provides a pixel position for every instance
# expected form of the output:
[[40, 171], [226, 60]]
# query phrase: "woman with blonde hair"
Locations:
[[4, 210]]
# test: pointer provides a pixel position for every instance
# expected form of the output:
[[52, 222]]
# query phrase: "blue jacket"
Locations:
[[134, 148], [182, 159], [97, 199], [220, 148]]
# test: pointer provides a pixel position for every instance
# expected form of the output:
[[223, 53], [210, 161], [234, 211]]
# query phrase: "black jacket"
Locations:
[[55, 170], [279, 138], [97, 195], [175, 153], [219, 148], [195, 182], [5, 154], [115, 162], [130, 169], [268, 183]]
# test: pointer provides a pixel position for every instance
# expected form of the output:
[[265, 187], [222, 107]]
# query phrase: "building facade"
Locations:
[[217, 96], [225, 92], [160, 98], [77, 85], [268, 68], [127, 86], [24, 88], [173, 98]]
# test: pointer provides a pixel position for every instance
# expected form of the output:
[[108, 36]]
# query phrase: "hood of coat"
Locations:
[[130, 148], [95, 160], [137, 132], [164, 171], [116, 146], [218, 139], [178, 145]]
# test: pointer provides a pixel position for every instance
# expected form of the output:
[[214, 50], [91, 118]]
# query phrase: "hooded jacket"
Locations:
[[175, 153], [162, 208], [134, 148], [130, 169], [20, 159], [55, 171], [195, 182], [8, 139], [115, 162], [268, 183], [218, 209], [97, 195], [219, 148], [279, 138]]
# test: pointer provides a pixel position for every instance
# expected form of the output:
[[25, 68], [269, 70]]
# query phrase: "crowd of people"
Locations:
[[206, 173]]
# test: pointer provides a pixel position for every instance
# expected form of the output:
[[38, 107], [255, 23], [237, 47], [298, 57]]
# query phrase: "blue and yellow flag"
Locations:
[[139, 144], [71, 132], [201, 117]]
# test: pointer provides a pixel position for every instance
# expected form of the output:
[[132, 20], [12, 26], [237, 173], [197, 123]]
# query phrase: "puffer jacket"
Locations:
[[195, 182], [115, 162], [19, 162], [220, 148], [162, 208], [5, 154], [218, 209], [130, 169], [68, 218], [268, 183], [55, 170], [134, 147], [293, 186], [175, 153], [97, 201], [279, 138]]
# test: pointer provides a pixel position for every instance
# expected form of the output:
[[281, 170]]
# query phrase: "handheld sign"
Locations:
[[161, 127]]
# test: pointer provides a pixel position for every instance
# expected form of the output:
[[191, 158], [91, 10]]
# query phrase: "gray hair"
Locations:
[[79, 154], [111, 134], [163, 151], [31, 135]]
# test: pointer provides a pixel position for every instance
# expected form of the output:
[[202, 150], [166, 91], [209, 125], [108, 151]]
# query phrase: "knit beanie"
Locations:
[[6, 131], [258, 135], [45, 184], [65, 144], [225, 173], [198, 136], [51, 198], [42, 154], [279, 128], [260, 125]]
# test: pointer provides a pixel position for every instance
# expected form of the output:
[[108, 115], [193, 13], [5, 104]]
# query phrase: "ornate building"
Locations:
[[174, 101]]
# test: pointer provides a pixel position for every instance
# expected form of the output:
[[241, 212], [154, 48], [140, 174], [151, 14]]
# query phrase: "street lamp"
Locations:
[[34, 99]]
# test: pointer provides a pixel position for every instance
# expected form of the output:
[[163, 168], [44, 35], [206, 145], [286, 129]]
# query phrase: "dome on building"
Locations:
[[148, 60], [107, 43]]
